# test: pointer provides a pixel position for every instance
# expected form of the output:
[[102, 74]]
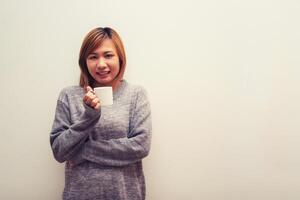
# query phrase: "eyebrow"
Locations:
[[105, 52]]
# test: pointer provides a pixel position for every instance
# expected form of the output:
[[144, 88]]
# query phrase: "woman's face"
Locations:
[[103, 64]]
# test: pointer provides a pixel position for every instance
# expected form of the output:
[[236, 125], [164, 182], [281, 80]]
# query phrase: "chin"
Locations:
[[104, 82]]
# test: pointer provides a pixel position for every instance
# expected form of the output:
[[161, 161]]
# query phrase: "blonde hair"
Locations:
[[92, 41]]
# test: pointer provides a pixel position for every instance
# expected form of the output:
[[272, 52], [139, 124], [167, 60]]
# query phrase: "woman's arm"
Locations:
[[122, 151], [67, 138]]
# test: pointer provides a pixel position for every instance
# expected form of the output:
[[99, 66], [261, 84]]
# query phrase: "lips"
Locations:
[[102, 74]]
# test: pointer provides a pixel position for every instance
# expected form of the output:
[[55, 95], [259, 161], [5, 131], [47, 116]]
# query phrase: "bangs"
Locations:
[[94, 43]]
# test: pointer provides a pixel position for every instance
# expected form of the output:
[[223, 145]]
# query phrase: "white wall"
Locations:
[[223, 79]]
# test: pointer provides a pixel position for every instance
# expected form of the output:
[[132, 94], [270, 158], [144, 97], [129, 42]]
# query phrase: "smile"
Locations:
[[101, 73]]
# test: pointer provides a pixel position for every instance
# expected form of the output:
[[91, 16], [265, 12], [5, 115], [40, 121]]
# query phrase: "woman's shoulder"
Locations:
[[136, 88], [68, 91], [71, 89]]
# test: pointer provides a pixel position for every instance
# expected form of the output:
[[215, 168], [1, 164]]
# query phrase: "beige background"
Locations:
[[222, 76]]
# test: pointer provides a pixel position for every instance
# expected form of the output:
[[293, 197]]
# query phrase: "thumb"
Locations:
[[88, 88]]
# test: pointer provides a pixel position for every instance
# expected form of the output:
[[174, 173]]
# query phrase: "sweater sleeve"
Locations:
[[66, 138], [123, 151]]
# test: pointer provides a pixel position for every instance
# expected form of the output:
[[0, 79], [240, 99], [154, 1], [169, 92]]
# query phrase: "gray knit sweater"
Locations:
[[103, 149]]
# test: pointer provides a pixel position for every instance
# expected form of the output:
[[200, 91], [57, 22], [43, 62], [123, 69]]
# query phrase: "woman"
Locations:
[[103, 146]]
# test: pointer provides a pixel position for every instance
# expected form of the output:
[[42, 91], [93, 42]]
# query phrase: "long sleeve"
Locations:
[[66, 137], [127, 150]]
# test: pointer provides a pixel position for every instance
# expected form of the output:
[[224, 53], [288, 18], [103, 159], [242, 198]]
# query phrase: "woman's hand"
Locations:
[[91, 99]]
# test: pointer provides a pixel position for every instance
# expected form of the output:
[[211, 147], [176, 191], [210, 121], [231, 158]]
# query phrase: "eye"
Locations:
[[109, 55], [92, 57]]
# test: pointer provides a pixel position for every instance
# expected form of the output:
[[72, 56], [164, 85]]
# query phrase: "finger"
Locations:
[[86, 97], [97, 107], [91, 96], [88, 88], [94, 102], [91, 93], [88, 100]]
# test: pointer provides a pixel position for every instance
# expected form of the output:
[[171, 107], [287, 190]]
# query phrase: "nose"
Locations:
[[101, 64]]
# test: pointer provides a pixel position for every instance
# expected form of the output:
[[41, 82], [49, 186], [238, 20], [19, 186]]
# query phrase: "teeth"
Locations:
[[102, 73]]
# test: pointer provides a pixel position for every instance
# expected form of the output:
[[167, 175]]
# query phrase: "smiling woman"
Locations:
[[103, 65], [102, 52], [103, 146]]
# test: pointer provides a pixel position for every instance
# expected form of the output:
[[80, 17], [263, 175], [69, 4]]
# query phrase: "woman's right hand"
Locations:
[[91, 99]]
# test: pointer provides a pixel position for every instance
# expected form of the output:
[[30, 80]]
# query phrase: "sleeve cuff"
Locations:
[[91, 111]]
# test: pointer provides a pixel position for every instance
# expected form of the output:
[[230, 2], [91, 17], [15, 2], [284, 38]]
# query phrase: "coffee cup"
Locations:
[[105, 95]]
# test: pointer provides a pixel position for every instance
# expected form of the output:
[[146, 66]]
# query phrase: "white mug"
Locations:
[[105, 95]]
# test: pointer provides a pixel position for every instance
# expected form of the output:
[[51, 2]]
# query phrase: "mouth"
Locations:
[[102, 73]]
